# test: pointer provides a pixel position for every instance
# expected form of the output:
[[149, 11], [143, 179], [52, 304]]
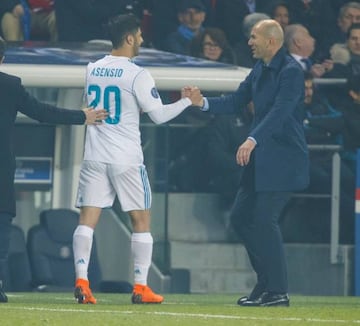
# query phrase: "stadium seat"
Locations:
[[18, 272], [50, 251], [51, 256]]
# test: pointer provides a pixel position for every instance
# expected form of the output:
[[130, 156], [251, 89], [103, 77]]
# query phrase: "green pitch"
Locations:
[[192, 309]]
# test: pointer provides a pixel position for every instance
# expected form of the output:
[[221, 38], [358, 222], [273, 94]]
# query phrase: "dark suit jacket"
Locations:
[[281, 156], [14, 98]]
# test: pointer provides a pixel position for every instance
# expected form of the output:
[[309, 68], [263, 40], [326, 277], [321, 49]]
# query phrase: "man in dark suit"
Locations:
[[15, 99], [275, 155]]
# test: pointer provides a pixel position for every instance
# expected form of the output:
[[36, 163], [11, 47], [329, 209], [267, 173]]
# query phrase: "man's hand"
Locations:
[[355, 96], [94, 117], [194, 94], [319, 69], [244, 152]]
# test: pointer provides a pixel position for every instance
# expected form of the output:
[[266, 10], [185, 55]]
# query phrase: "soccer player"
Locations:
[[113, 158]]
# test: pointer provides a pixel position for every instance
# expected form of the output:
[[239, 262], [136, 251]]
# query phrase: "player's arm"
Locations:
[[151, 103], [167, 112]]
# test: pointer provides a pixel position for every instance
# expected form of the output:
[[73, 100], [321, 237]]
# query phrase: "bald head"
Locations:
[[299, 41], [266, 39], [270, 28]]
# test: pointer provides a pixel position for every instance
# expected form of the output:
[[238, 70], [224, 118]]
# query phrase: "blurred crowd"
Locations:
[[322, 35]]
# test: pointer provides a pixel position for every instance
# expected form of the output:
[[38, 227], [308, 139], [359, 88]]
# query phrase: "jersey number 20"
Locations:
[[108, 93]]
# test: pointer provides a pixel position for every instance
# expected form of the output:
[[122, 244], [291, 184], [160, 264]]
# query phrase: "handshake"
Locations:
[[194, 94]]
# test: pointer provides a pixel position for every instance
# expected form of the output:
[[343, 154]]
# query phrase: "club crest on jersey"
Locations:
[[154, 92]]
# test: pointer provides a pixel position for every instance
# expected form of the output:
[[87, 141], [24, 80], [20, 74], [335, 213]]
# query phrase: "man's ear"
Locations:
[[129, 39]]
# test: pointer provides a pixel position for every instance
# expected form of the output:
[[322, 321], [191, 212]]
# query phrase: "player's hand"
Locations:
[[95, 117], [194, 94], [185, 91]]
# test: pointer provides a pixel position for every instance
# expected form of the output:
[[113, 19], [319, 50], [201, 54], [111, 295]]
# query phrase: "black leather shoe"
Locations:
[[268, 299], [255, 294], [241, 300]]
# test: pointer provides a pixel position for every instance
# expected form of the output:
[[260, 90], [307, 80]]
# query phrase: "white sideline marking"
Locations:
[[201, 316]]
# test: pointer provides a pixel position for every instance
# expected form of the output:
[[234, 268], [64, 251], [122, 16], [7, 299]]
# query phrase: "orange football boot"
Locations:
[[82, 292], [143, 294]]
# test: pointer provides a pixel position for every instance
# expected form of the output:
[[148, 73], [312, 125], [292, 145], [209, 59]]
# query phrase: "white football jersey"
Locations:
[[125, 90]]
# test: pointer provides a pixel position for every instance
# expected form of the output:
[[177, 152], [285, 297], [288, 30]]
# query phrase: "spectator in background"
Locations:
[[349, 14], [10, 15], [319, 115], [281, 13], [301, 45], [30, 19], [191, 15], [211, 44], [83, 20], [346, 56], [242, 49], [164, 19], [319, 17], [346, 59]]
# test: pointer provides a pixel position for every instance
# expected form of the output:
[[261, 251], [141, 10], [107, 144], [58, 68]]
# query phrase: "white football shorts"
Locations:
[[100, 182]]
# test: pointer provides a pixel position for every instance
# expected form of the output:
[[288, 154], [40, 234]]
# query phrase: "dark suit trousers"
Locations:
[[255, 217], [5, 231]]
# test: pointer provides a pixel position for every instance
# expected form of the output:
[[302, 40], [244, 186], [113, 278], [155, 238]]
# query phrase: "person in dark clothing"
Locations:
[[191, 15], [274, 155], [28, 19], [349, 14], [346, 58], [11, 12], [14, 99], [281, 13]]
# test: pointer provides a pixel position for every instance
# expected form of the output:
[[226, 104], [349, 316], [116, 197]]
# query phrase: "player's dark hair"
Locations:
[[2, 48], [119, 27]]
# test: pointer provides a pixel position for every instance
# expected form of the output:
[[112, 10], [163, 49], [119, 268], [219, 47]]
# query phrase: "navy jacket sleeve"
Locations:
[[43, 112]]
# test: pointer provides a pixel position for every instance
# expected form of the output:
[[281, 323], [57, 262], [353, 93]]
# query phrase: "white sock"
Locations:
[[141, 249], [82, 243]]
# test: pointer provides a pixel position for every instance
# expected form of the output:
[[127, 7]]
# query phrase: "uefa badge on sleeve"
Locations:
[[155, 93]]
